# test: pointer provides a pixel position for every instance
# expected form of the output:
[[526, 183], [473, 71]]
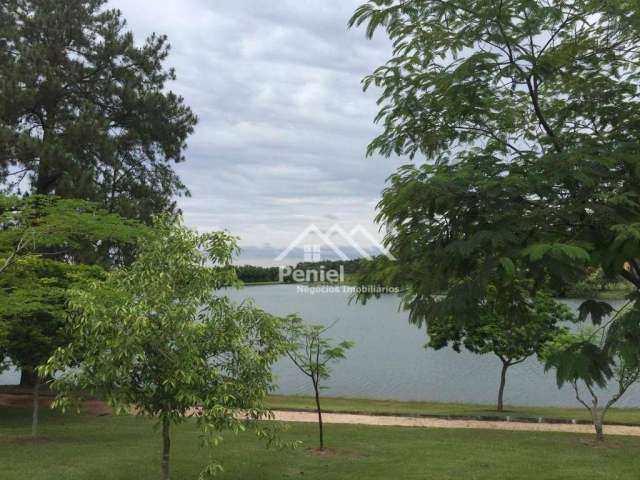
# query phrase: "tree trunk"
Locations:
[[597, 423], [28, 378], [48, 171], [317, 394], [166, 447], [36, 407], [599, 431], [503, 380]]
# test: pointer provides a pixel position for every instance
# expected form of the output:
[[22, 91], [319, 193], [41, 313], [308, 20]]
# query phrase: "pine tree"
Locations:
[[84, 111]]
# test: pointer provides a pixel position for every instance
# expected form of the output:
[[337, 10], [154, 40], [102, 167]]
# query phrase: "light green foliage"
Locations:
[[71, 229], [154, 336], [48, 244], [313, 353]]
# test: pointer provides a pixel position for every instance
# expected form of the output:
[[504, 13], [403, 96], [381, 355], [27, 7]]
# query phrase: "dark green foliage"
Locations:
[[467, 224], [577, 357], [47, 246], [349, 266], [257, 274], [512, 78], [33, 307], [528, 116], [595, 310], [603, 357], [84, 110], [510, 323]]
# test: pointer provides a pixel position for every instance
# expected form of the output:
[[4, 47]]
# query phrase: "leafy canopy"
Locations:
[[527, 115], [510, 324], [517, 79], [156, 336], [311, 351], [63, 229], [47, 246]]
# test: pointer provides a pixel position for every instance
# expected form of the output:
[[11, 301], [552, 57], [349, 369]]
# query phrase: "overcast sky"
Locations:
[[284, 123]]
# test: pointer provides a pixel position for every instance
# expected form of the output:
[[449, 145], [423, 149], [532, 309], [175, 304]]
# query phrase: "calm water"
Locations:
[[388, 360]]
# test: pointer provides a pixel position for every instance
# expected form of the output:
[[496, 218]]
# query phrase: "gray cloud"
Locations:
[[284, 123]]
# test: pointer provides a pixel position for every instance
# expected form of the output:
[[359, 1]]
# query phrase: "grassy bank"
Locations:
[[127, 448], [615, 415]]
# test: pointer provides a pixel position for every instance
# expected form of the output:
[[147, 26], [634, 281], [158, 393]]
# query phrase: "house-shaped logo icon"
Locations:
[[313, 250]]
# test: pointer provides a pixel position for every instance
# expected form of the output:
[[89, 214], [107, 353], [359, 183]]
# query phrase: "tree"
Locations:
[[257, 274], [156, 336], [71, 230], [515, 103], [511, 324], [33, 311], [312, 353], [512, 78], [84, 111], [531, 166], [593, 359], [41, 240]]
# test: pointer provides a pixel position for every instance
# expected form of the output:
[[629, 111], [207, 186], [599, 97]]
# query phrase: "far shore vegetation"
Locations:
[[594, 285]]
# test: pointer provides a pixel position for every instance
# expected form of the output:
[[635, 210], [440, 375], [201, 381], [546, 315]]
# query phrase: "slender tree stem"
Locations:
[[319, 409], [166, 448], [503, 380], [36, 406], [597, 423]]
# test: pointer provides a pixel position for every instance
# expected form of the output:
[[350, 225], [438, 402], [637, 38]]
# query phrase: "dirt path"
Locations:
[[25, 400], [391, 421]]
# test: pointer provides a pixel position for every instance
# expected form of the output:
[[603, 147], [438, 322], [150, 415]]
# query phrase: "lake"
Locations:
[[389, 360]]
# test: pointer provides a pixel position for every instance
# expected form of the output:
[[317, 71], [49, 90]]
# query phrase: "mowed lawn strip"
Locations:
[[76, 447], [393, 407]]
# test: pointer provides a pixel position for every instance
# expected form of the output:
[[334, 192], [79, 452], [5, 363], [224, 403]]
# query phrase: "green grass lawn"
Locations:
[[128, 448], [619, 415]]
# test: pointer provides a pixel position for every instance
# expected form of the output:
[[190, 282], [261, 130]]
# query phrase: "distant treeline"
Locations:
[[257, 274], [594, 285], [350, 266]]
